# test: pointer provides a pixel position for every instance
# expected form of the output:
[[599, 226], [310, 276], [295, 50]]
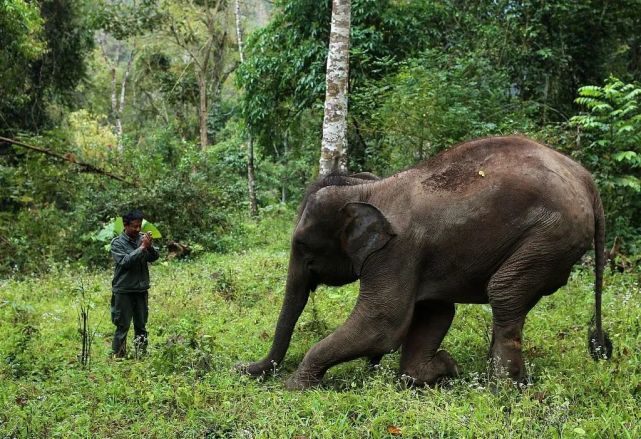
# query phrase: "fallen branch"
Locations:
[[71, 158]]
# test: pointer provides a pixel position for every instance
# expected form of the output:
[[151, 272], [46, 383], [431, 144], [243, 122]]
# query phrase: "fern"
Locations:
[[611, 127]]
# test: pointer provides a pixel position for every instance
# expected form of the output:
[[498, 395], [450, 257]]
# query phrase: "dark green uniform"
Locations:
[[129, 289]]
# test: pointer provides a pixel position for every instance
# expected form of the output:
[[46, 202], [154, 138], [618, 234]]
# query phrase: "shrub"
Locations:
[[610, 146]]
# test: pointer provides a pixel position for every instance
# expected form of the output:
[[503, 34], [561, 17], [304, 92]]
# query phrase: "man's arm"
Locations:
[[152, 254], [125, 258]]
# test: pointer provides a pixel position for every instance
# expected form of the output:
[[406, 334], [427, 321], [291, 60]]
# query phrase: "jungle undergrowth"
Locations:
[[212, 312]]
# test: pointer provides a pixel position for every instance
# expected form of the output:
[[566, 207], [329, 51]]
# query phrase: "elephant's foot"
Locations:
[[509, 366], [507, 362], [441, 366], [303, 379], [375, 361], [505, 354], [256, 369]]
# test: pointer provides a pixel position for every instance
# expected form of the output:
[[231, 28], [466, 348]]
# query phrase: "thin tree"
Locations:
[[200, 29], [251, 179], [117, 105], [334, 144]]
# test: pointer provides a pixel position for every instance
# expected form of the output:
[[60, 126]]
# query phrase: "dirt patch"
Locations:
[[454, 178]]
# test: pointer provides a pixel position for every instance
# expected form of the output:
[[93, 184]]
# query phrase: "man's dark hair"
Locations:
[[134, 215]]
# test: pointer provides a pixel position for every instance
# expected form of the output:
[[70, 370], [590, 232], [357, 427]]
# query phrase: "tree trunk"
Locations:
[[251, 178], [114, 97], [283, 194], [239, 33], [202, 113], [121, 104], [546, 90], [334, 144]]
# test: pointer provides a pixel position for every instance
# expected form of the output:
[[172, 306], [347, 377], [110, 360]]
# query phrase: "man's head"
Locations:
[[132, 222]]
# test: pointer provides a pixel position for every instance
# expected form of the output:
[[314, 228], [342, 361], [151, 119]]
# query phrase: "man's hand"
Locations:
[[147, 241]]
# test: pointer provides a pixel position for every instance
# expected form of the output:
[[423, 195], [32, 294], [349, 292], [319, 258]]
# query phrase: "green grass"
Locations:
[[208, 314]]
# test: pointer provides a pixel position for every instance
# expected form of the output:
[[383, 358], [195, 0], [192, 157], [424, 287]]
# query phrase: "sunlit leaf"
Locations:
[[106, 233], [149, 227], [628, 156], [118, 225], [629, 181]]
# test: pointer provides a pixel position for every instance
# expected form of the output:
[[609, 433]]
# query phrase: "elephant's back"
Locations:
[[462, 213], [478, 203], [473, 165]]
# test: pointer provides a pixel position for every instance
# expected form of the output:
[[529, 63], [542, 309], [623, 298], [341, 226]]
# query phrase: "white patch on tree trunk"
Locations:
[[334, 144]]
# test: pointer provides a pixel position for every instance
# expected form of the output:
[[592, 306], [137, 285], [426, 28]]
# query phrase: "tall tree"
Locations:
[[334, 144], [112, 60], [121, 22], [251, 178], [200, 29]]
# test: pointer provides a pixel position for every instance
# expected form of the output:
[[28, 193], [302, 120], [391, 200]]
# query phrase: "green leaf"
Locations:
[[601, 107], [633, 94], [149, 227], [625, 129], [107, 232], [629, 181], [118, 225], [591, 90], [628, 156]]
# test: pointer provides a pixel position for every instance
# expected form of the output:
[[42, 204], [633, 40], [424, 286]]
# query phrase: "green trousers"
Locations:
[[124, 308]]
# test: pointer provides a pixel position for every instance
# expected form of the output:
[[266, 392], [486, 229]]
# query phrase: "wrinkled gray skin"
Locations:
[[497, 220]]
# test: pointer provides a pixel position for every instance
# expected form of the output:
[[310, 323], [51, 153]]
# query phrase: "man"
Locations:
[[131, 251]]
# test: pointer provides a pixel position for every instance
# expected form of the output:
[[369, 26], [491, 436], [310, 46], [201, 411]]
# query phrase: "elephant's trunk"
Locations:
[[296, 294]]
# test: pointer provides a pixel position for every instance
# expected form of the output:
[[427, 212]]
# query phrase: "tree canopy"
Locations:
[[124, 87]]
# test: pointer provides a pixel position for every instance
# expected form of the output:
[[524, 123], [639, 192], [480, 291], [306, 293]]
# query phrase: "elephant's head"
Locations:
[[334, 235]]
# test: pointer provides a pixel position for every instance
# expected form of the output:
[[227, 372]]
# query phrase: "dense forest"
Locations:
[[147, 104]]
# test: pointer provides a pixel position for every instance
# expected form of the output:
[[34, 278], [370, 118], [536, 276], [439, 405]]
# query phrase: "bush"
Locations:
[[609, 144], [53, 212]]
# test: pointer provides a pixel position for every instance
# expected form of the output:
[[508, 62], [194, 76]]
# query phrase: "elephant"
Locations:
[[498, 220]]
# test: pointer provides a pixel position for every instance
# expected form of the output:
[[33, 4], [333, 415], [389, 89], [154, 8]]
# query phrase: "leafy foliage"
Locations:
[[532, 53], [43, 79], [124, 19], [610, 133], [424, 76], [21, 42], [433, 102], [187, 193], [285, 69]]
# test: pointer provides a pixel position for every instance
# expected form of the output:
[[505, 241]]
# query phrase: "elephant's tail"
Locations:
[[599, 343]]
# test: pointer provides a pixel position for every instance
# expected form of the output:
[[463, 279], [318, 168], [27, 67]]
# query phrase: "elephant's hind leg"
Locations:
[[421, 360], [531, 272]]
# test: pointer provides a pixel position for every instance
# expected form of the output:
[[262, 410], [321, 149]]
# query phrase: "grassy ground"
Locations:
[[208, 314]]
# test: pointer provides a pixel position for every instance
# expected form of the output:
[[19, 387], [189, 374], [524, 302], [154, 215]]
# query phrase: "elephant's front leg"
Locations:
[[375, 327], [421, 360]]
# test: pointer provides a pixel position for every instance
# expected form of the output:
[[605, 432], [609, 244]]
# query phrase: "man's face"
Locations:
[[133, 228]]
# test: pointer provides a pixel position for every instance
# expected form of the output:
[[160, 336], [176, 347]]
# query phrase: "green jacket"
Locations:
[[131, 274]]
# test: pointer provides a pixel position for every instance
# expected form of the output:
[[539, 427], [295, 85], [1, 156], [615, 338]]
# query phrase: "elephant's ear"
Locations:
[[366, 231]]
